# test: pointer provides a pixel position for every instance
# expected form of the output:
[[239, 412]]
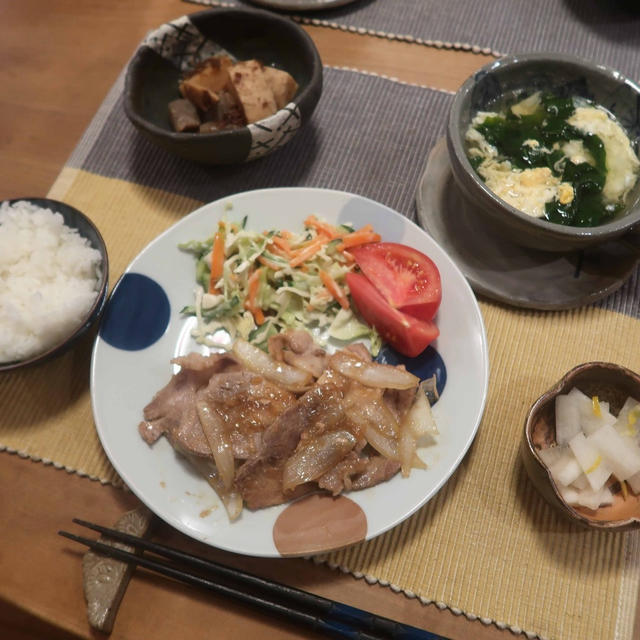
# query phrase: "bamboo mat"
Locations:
[[486, 546]]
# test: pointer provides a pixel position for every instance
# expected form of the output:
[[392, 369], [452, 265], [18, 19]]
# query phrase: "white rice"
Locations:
[[48, 280]]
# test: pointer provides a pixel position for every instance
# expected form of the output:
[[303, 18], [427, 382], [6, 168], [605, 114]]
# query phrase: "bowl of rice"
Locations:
[[53, 279]]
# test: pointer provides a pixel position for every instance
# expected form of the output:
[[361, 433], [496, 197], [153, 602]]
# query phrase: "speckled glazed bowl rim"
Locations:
[[602, 232], [549, 396], [94, 313], [302, 5], [304, 40]]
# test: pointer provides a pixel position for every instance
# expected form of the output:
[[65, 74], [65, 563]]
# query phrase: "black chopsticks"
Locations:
[[324, 615]]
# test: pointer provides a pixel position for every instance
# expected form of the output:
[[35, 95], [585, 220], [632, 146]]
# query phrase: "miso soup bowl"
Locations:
[[564, 76]]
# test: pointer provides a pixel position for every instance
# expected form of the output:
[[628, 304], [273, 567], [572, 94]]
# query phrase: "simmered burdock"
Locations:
[[184, 116]]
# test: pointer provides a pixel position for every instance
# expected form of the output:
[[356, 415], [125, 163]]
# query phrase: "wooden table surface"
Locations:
[[59, 58]]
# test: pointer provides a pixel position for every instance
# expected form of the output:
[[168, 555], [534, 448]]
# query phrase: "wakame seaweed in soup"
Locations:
[[562, 159]]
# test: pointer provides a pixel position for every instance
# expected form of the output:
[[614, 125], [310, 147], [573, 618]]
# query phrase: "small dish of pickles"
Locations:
[[581, 446]]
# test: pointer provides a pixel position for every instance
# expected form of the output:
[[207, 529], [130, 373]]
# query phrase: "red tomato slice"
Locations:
[[407, 279], [403, 332]]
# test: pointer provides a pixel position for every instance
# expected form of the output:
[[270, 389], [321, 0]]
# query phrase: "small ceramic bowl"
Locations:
[[564, 76], [76, 220], [611, 383], [176, 47]]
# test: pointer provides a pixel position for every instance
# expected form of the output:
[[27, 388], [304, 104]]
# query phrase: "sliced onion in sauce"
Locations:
[[258, 361], [310, 363], [378, 425], [231, 499], [314, 458], [418, 462], [218, 441], [382, 443], [371, 412], [419, 419], [372, 374], [406, 451]]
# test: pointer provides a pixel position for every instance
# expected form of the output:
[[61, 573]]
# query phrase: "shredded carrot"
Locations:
[[217, 259], [334, 288], [321, 227], [358, 237], [281, 243], [276, 250], [306, 243], [307, 251], [349, 257], [253, 283], [252, 293], [269, 263]]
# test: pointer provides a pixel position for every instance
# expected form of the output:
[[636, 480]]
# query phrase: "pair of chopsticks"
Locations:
[[321, 614]]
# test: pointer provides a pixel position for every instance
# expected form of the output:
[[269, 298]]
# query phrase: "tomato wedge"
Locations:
[[403, 332], [406, 278]]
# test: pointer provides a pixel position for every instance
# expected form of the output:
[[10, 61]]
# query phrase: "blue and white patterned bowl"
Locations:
[[563, 76], [154, 72]]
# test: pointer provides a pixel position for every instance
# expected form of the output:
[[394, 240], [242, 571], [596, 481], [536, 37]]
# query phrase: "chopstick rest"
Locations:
[[316, 612], [103, 596]]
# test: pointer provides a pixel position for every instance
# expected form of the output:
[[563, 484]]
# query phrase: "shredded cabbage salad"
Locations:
[[256, 284]]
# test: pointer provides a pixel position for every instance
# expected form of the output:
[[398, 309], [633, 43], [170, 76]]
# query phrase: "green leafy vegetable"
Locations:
[[532, 140]]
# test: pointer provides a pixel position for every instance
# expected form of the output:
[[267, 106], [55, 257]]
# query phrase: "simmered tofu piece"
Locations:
[[203, 86], [248, 84], [282, 84], [226, 95]]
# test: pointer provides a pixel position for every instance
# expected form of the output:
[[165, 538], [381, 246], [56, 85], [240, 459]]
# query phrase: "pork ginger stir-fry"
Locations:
[[267, 428]]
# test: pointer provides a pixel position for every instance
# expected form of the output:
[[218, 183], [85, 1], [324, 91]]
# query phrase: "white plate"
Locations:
[[124, 381]]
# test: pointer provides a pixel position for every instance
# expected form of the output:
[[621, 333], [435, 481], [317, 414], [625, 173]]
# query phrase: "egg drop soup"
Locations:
[[565, 160]]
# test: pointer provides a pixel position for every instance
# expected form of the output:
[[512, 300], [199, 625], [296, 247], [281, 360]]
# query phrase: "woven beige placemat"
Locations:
[[486, 545], [46, 410]]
